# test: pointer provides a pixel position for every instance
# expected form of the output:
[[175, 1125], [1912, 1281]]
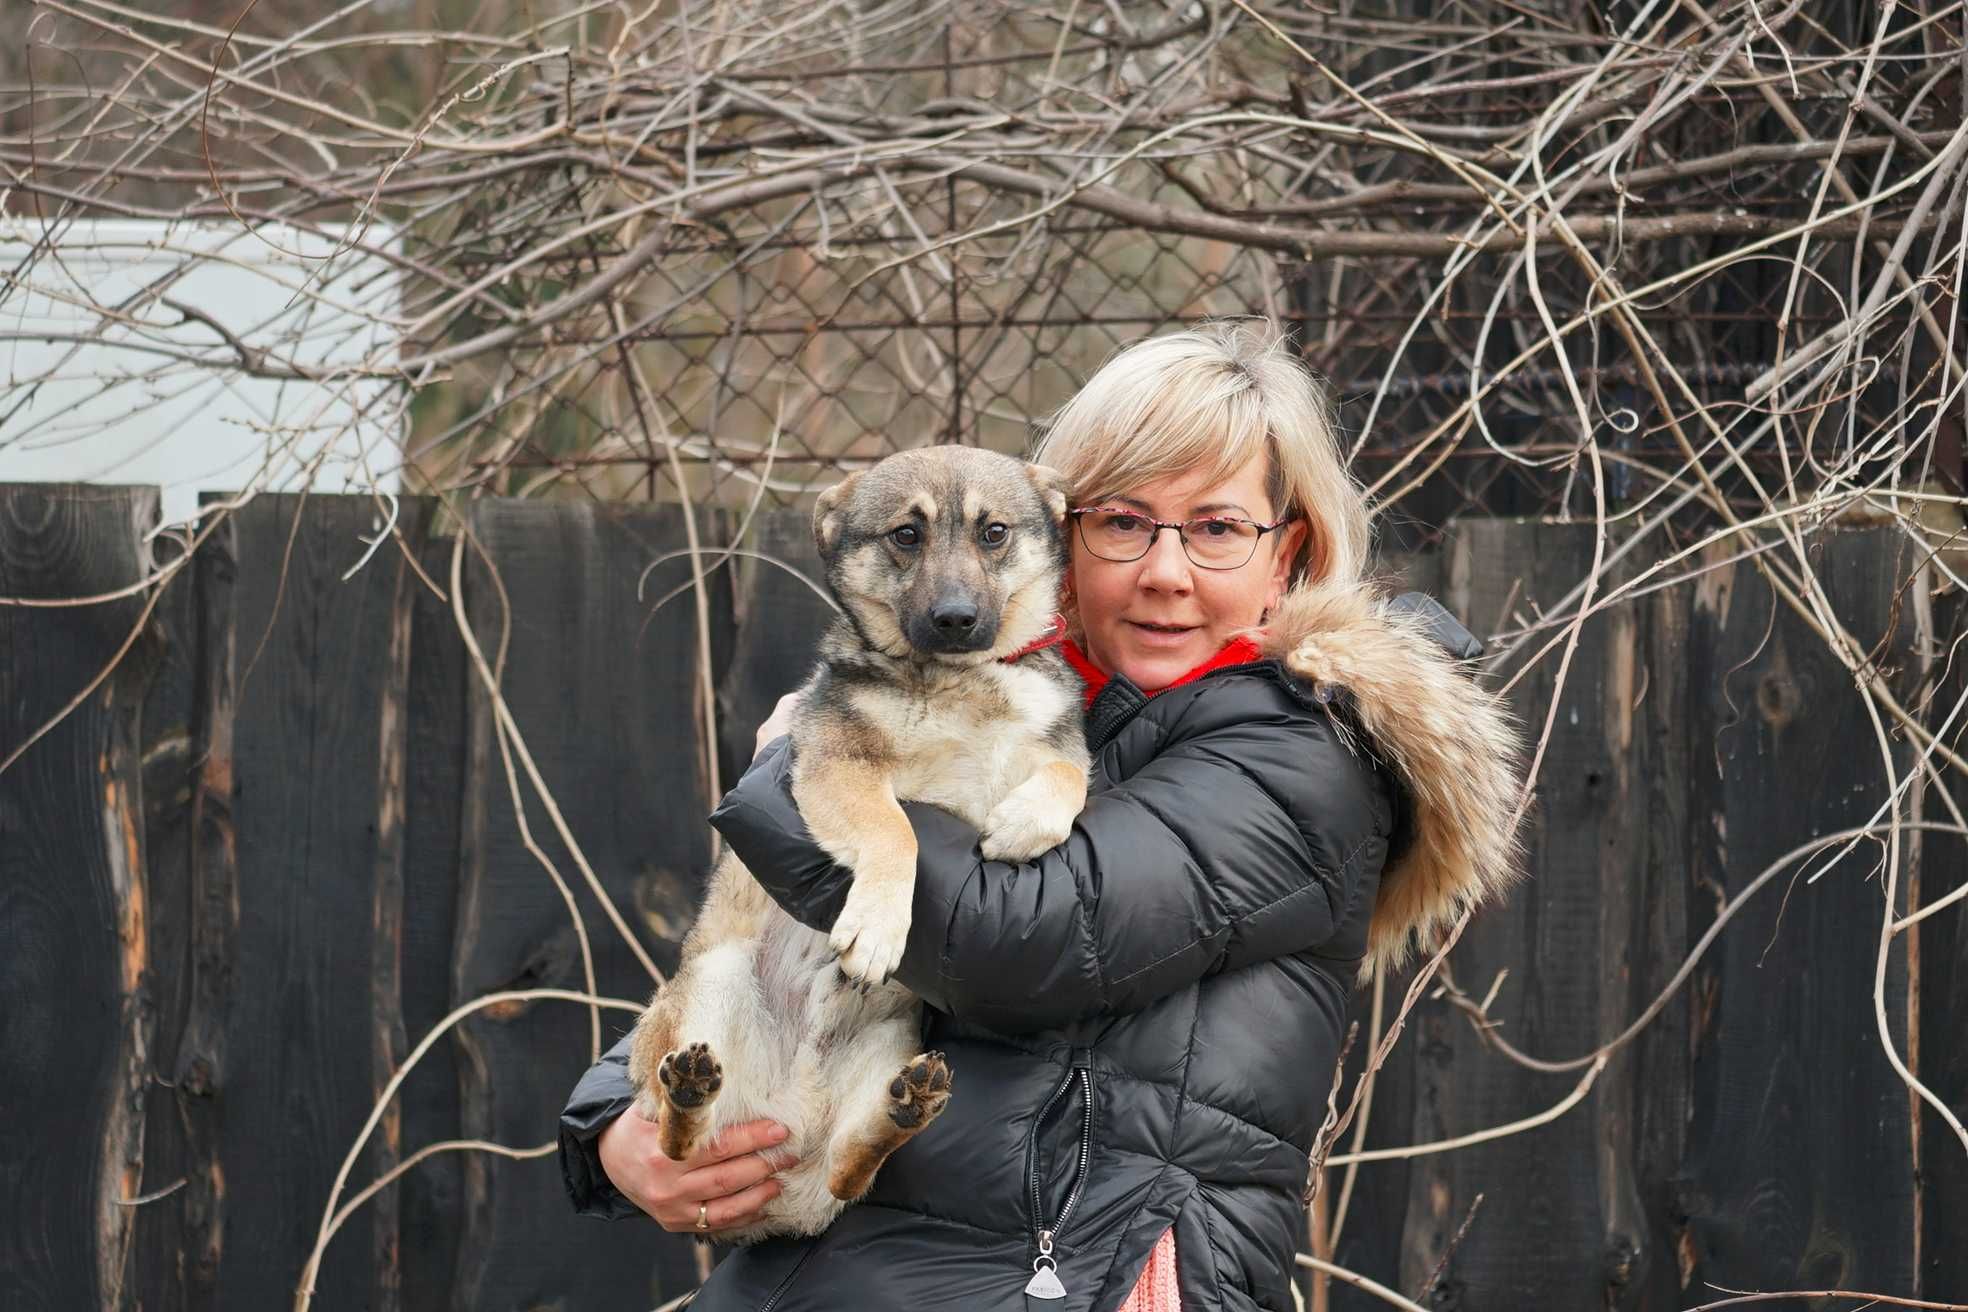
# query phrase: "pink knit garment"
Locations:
[[1156, 1291]]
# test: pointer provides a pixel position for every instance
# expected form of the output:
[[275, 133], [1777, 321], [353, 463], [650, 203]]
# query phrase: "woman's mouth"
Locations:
[[1160, 635]]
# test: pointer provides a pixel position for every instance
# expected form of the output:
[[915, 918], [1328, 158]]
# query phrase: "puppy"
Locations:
[[935, 684]]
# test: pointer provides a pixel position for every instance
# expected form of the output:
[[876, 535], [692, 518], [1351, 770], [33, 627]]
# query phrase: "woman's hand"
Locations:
[[727, 1178], [779, 722]]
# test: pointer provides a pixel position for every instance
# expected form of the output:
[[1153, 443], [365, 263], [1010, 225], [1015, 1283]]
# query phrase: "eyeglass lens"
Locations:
[[1211, 543]]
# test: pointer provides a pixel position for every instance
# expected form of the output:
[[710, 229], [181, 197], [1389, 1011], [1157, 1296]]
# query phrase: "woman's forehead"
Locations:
[[1201, 491]]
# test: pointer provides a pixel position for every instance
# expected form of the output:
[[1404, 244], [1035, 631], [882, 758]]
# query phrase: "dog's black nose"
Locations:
[[953, 618]]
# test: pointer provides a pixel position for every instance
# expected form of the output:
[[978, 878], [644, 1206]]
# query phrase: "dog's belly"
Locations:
[[796, 1045], [790, 1007]]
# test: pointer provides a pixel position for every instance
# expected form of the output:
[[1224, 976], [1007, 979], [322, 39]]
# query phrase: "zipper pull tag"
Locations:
[[1045, 1272]]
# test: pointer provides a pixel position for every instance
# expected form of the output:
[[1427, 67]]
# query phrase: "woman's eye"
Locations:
[[906, 536], [995, 534], [1211, 528], [1123, 524]]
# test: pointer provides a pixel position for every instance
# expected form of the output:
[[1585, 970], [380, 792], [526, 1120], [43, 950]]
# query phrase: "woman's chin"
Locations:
[[1150, 670]]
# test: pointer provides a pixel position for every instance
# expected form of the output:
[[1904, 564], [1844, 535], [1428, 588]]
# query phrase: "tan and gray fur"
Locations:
[[912, 701]]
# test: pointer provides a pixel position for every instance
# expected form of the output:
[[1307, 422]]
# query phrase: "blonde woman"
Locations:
[[1294, 780]]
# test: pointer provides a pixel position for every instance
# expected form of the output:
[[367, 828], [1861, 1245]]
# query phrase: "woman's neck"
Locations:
[[1238, 651]]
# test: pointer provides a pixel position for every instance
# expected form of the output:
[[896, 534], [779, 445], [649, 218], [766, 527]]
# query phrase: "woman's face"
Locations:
[[1156, 618]]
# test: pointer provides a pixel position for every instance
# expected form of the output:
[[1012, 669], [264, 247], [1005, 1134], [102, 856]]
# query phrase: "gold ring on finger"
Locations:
[[703, 1216]]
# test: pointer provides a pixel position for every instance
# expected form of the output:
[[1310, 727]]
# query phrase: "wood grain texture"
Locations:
[[75, 1056], [170, 775], [1943, 995], [1799, 1165], [313, 658], [1648, 936], [388, 1043], [1556, 1227], [199, 1064], [779, 619], [607, 699], [430, 1197]]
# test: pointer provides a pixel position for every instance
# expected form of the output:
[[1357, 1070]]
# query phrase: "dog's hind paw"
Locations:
[[917, 1095], [690, 1076], [871, 931]]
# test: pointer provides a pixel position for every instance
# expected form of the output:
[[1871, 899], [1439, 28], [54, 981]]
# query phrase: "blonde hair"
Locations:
[[1212, 398]]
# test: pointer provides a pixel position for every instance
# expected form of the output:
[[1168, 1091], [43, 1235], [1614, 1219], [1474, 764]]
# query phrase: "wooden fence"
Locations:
[[269, 852]]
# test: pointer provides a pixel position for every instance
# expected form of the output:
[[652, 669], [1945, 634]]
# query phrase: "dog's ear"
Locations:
[[829, 512], [1052, 486]]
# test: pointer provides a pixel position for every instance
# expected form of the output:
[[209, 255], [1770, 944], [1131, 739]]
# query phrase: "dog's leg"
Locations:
[[653, 1038], [709, 1015], [675, 1084], [690, 1078], [886, 1099], [850, 808], [1038, 814]]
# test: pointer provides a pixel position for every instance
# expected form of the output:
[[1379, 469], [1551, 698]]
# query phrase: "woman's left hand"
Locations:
[[777, 723]]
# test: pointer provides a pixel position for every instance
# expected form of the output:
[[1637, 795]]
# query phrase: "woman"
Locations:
[[1293, 780]]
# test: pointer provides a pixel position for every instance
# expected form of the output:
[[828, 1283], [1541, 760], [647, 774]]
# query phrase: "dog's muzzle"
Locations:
[[952, 625]]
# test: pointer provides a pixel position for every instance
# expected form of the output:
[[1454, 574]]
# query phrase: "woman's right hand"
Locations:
[[779, 722], [727, 1177]]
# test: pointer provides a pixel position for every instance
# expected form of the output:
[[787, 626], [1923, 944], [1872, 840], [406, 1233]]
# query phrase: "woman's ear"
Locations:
[[1292, 540]]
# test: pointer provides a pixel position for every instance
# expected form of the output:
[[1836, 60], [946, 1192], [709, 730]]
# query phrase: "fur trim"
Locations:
[[1453, 744]]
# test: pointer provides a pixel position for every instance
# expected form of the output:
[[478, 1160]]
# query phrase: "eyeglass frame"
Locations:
[[1157, 525]]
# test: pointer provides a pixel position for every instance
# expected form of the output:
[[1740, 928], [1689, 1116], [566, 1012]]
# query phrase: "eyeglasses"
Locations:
[[1210, 541]]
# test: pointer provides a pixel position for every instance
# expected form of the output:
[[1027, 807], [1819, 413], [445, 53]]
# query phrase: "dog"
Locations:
[[936, 683]]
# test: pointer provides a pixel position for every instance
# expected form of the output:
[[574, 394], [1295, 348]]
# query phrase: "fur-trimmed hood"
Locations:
[[1394, 668]]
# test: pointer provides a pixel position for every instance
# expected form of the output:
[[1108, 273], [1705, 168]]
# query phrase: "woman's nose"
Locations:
[[1166, 566]]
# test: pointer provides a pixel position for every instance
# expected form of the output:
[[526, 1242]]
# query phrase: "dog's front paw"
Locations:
[[1021, 826], [872, 930]]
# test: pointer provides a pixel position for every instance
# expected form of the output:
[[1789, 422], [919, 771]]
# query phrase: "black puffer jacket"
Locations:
[[1142, 1022]]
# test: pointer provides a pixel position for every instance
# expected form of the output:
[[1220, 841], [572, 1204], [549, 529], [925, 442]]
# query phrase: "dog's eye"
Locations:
[[994, 535], [906, 536]]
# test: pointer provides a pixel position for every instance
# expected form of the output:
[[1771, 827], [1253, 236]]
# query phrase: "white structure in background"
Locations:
[[121, 344]]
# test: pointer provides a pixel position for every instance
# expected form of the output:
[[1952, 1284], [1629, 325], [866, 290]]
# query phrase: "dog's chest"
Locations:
[[969, 743]]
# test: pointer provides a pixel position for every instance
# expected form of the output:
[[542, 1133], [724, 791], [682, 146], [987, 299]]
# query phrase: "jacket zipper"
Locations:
[[785, 1282], [1045, 1268]]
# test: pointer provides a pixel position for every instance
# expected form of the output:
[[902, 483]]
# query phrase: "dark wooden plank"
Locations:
[[1798, 1171], [198, 1063], [71, 897], [608, 705], [1943, 994], [1553, 1212], [388, 1044], [1645, 1100], [432, 1194], [170, 774], [314, 660], [779, 617]]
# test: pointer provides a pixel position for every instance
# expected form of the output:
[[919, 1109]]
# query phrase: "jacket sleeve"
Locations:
[[1232, 845], [601, 1096]]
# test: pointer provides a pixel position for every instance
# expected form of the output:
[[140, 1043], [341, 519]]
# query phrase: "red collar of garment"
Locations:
[[1238, 651]]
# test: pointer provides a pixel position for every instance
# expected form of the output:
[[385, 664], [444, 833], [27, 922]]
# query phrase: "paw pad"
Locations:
[[919, 1090], [691, 1076]]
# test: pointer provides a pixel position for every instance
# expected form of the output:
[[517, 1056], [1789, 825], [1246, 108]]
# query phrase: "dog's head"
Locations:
[[946, 552]]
